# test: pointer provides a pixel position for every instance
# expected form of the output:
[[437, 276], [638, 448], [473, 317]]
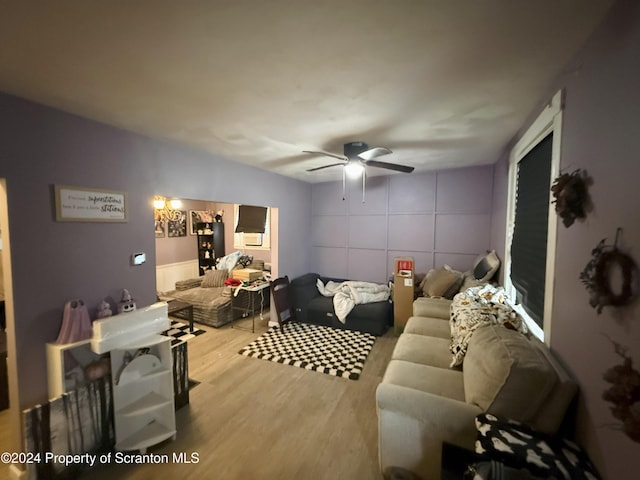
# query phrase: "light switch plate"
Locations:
[[138, 258]]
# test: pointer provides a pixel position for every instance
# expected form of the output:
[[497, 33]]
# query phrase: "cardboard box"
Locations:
[[403, 278], [246, 274]]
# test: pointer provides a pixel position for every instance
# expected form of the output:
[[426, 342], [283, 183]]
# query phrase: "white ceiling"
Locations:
[[443, 83]]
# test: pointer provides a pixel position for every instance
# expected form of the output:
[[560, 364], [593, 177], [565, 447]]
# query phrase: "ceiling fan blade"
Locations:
[[389, 166], [374, 153], [326, 154], [325, 166]]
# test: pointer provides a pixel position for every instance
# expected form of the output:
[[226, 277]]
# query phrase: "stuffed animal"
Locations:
[[219, 215], [104, 310], [127, 304]]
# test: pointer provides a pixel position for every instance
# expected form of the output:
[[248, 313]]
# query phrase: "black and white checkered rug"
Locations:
[[180, 332], [340, 353]]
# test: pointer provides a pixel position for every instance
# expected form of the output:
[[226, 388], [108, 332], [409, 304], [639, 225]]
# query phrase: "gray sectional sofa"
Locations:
[[423, 403]]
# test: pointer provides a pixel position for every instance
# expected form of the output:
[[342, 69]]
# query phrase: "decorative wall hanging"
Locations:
[[199, 216], [571, 193], [178, 228], [79, 204], [624, 393], [159, 228], [599, 276]]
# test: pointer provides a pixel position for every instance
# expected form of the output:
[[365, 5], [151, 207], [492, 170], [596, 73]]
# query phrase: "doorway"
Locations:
[[10, 424]]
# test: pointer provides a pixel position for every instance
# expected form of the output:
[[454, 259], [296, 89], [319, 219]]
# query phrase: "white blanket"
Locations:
[[347, 295]]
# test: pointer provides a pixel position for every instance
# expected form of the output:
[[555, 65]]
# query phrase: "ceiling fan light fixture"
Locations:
[[353, 169]]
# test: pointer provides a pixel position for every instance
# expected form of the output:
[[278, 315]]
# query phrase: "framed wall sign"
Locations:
[[80, 204]]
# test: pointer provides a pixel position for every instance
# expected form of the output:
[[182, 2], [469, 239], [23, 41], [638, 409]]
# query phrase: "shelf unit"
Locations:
[[143, 394], [142, 375], [210, 238]]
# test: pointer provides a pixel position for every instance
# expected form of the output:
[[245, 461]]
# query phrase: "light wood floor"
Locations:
[[254, 419]]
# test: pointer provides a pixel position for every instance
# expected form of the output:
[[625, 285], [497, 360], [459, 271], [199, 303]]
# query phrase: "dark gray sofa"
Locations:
[[311, 307]]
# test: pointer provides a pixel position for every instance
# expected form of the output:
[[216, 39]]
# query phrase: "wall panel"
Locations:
[[434, 217], [368, 231], [329, 231]]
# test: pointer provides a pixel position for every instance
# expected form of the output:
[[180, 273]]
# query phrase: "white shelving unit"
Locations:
[[142, 375]]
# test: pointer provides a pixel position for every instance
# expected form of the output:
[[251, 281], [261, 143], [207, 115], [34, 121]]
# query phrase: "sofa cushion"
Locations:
[[373, 318], [469, 281], [505, 374], [422, 349], [433, 327], [214, 278], [442, 282], [189, 283], [432, 307], [426, 378]]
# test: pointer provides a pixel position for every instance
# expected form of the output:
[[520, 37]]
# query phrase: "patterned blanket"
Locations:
[[474, 308]]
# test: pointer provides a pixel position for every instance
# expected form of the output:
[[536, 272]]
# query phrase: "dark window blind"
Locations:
[[529, 244], [251, 219]]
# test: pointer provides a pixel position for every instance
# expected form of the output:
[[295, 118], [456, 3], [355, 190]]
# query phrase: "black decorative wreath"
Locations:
[[597, 276], [571, 194]]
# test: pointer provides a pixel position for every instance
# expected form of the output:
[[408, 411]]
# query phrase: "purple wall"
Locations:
[[57, 261], [600, 135], [436, 218]]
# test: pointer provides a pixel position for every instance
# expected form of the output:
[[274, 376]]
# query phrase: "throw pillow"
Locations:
[[519, 446], [442, 283], [214, 278], [485, 268], [245, 260]]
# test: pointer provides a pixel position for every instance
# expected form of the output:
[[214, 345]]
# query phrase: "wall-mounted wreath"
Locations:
[[571, 193], [624, 393], [599, 276]]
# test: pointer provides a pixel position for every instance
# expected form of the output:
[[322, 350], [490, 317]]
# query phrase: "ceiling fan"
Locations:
[[356, 156]]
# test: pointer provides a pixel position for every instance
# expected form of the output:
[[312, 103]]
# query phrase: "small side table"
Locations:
[[183, 310], [253, 290]]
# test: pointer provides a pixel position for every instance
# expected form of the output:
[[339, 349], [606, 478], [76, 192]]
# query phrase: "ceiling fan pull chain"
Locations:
[[364, 176], [344, 182]]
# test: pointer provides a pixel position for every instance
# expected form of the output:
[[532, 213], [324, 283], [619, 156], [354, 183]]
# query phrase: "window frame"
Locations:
[[238, 238], [549, 121]]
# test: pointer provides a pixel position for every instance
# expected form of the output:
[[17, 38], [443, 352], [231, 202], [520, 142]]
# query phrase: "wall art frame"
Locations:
[[178, 228], [199, 216], [86, 204]]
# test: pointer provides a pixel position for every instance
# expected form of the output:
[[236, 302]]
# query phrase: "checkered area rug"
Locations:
[[340, 353], [180, 332]]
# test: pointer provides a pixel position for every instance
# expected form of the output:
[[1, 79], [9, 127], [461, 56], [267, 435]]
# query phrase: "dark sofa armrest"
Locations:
[[303, 290], [326, 280]]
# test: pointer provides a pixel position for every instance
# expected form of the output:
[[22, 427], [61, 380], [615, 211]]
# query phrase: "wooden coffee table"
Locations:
[[183, 310]]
